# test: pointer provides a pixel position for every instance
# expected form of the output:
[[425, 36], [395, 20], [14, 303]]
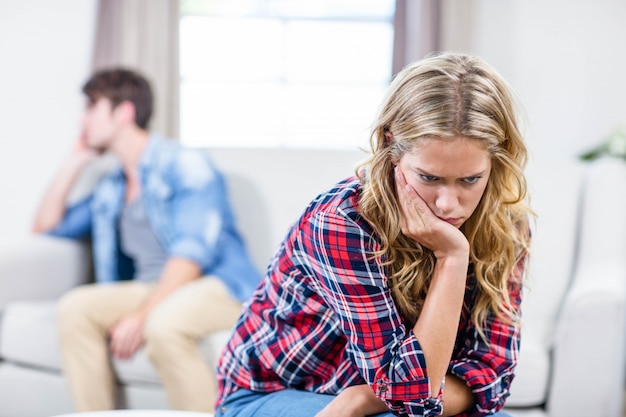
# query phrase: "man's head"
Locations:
[[122, 85]]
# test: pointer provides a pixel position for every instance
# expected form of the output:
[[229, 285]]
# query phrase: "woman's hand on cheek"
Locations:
[[419, 223]]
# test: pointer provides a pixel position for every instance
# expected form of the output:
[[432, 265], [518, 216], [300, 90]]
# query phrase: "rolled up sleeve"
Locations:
[[198, 210], [76, 222]]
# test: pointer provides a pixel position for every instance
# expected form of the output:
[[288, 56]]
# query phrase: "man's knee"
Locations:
[[162, 340], [73, 304], [159, 331], [73, 318], [94, 307]]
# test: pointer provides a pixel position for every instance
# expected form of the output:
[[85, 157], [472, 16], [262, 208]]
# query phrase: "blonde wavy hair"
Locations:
[[445, 96]]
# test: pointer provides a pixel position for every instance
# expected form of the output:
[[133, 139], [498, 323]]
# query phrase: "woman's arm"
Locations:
[[488, 364], [438, 322], [457, 397], [355, 401], [360, 401]]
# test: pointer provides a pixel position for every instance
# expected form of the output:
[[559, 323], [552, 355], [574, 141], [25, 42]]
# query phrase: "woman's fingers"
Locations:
[[416, 214], [419, 223]]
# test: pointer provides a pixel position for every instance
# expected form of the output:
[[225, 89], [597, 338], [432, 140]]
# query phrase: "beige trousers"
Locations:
[[171, 333]]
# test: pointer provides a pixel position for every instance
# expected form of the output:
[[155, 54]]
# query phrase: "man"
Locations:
[[170, 265]]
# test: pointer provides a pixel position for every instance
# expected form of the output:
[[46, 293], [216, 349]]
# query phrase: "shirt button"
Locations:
[[430, 403], [382, 388]]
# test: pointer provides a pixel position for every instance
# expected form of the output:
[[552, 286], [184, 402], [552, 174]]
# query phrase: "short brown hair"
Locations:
[[119, 85]]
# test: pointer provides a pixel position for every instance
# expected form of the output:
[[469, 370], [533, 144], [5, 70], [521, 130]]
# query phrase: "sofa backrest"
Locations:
[[555, 188], [270, 188], [581, 220]]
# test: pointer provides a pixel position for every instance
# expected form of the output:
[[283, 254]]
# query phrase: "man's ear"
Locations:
[[125, 112]]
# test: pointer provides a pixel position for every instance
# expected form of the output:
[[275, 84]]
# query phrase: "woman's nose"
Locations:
[[446, 201]]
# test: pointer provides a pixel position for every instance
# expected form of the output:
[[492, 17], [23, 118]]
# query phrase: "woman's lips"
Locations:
[[452, 220]]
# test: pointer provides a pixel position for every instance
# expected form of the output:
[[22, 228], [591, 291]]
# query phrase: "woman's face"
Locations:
[[449, 175]]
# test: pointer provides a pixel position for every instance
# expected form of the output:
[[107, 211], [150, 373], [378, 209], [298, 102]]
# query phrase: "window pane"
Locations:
[[330, 116], [230, 48], [350, 9], [231, 114], [296, 73], [338, 51], [221, 7]]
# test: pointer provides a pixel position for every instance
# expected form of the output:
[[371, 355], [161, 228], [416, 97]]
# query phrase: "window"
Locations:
[[283, 73]]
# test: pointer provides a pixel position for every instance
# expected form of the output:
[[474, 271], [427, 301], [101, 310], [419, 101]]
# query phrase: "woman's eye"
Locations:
[[471, 180], [428, 178]]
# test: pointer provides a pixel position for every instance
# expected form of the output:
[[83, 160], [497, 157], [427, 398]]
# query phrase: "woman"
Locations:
[[398, 291]]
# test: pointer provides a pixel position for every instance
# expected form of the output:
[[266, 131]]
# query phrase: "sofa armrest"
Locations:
[[41, 267], [588, 355]]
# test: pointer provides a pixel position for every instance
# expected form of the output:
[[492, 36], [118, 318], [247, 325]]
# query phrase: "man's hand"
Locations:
[[355, 401], [127, 336], [81, 149], [52, 206]]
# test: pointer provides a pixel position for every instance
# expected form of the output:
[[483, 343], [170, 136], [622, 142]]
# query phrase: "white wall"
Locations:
[[565, 59], [45, 50]]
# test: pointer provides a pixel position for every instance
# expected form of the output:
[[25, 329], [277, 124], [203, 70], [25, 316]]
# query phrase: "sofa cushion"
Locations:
[[139, 369], [28, 336], [32, 392], [276, 186], [46, 276]]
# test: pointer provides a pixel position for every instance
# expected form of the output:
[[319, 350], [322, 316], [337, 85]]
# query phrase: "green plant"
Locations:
[[614, 145]]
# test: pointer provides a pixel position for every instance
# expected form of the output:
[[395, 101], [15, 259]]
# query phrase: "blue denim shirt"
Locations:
[[186, 204]]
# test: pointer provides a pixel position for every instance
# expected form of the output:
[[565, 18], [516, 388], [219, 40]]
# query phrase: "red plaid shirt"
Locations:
[[323, 319]]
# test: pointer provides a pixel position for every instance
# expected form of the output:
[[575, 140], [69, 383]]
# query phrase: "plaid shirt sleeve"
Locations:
[[354, 284]]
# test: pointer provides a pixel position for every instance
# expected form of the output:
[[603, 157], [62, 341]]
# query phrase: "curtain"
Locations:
[[417, 31], [143, 35]]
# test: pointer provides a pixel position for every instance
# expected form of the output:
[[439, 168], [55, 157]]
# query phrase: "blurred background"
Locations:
[[291, 73]]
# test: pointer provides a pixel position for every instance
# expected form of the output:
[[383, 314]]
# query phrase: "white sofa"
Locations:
[[572, 356]]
